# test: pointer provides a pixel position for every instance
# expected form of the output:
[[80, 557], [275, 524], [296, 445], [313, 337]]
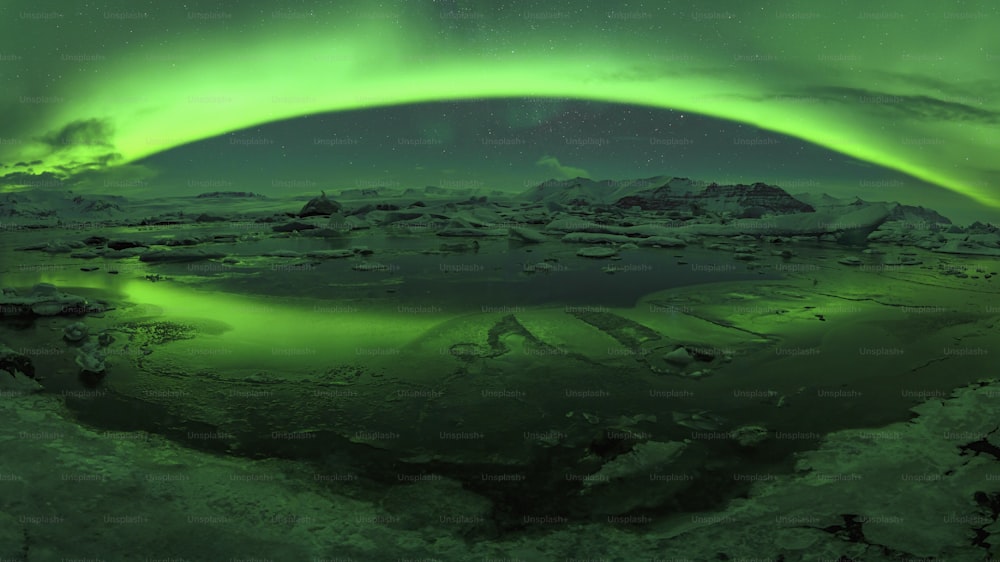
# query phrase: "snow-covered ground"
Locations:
[[425, 376]]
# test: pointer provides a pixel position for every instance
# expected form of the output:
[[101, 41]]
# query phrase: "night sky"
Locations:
[[896, 101]]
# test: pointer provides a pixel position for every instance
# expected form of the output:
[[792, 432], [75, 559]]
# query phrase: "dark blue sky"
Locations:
[[513, 144]]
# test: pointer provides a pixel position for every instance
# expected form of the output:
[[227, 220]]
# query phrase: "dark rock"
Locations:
[[209, 218], [293, 226], [157, 221], [281, 254], [218, 194], [330, 254], [45, 290], [123, 244], [319, 206], [178, 256], [181, 242], [123, 254], [460, 247], [14, 362]]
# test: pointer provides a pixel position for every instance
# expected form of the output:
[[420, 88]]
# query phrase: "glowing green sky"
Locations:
[[908, 85]]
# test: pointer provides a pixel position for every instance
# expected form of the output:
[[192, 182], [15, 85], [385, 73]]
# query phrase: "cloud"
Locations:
[[23, 180], [565, 172], [132, 178], [80, 155], [85, 132], [78, 149], [966, 89], [917, 106]]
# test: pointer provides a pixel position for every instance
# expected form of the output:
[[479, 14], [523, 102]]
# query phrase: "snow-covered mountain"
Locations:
[[585, 191], [669, 193], [52, 205], [743, 201]]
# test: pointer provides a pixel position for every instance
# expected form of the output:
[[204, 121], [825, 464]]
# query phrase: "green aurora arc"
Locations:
[[910, 87]]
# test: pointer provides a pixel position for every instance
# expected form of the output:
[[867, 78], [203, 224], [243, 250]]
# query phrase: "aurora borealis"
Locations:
[[457, 280], [910, 87]]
